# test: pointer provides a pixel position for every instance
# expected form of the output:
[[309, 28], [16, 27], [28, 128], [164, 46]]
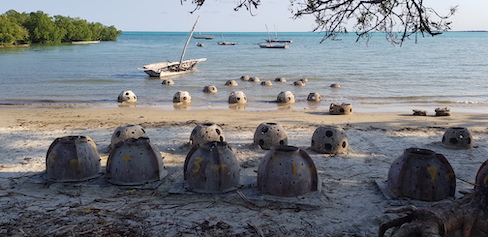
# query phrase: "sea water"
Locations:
[[449, 70]]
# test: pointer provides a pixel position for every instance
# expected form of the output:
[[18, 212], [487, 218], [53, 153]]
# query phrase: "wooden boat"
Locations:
[[223, 42], [274, 46], [226, 43], [168, 69], [200, 36]]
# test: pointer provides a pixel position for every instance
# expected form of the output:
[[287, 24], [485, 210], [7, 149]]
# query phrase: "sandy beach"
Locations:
[[349, 202]]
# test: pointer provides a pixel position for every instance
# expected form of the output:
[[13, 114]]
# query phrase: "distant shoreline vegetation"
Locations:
[[17, 29]]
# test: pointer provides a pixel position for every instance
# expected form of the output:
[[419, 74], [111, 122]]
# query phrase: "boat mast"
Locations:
[[269, 39], [187, 42]]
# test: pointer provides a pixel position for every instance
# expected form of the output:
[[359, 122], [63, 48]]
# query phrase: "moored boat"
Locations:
[[175, 68], [274, 46]]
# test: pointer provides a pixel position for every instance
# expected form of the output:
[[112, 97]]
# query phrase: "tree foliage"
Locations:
[[399, 19], [11, 33], [39, 27]]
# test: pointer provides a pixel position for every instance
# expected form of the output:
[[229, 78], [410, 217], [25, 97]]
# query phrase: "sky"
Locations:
[[215, 15]]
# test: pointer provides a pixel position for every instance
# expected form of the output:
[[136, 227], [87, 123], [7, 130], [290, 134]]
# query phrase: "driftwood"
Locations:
[[467, 216]]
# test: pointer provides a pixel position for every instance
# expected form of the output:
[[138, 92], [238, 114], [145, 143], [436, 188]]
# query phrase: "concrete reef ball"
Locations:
[[340, 109], [231, 83], [72, 159], [168, 82], [285, 97], [245, 78], [135, 162], [254, 79], [266, 83], [287, 171], [457, 138], [237, 97], [280, 79], [206, 132], [126, 132], [268, 135], [304, 80], [201, 174], [482, 175], [182, 97], [330, 140], [210, 89], [298, 83], [127, 96], [335, 85], [442, 112], [422, 174], [314, 96]]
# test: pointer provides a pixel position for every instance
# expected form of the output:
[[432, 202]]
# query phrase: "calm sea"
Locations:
[[449, 70]]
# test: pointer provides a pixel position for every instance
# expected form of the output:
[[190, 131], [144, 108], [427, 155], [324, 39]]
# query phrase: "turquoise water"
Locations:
[[449, 70]]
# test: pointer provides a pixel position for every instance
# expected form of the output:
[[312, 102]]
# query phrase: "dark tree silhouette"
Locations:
[[399, 19]]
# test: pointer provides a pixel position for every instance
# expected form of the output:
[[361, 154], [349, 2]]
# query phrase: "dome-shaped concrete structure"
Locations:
[[280, 79], [231, 83], [182, 97], [330, 140], [255, 79], [457, 138], [168, 82], [268, 135], [422, 174], [126, 132], [340, 109], [314, 96], [127, 97], [482, 175], [206, 132], [211, 168], [135, 162], [237, 97], [72, 159], [245, 78], [210, 89], [285, 97], [287, 171]]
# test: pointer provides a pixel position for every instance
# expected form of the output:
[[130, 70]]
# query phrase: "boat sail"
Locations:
[[168, 69]]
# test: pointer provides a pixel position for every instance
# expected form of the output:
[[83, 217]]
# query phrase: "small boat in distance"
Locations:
[[274, 46], [200, 36], [226, 43], [168, 69], [200, 44], [223, 42]]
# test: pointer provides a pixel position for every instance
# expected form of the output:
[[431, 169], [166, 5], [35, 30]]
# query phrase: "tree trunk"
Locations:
[[468, 215]]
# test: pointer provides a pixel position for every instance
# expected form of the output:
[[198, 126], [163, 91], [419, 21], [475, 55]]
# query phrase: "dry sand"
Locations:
[[349, 203]]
